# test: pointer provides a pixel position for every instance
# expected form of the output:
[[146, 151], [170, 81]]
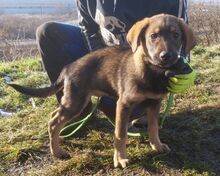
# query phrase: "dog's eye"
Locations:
[[154, 36], [176, 35]]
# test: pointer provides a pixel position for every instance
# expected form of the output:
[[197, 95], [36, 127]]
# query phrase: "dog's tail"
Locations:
[[38, 92]]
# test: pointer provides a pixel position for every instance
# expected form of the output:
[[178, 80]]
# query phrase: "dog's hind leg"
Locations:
[[54, 126], [71, 106], [54, 112]]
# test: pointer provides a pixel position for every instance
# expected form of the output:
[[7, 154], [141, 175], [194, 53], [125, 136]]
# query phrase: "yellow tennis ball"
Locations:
[[175, 80]]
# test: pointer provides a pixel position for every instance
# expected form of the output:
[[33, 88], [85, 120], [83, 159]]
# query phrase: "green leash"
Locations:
[[169, 104], [71, 129], [138, 134], [79, 124]]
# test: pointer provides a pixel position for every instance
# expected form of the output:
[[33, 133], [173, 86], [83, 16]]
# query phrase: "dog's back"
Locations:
[[99, 71]]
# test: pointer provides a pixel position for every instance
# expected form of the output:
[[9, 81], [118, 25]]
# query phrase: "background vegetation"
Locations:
[[17, 32]]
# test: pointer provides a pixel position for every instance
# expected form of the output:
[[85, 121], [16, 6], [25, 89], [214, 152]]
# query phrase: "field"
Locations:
[[192, 130]]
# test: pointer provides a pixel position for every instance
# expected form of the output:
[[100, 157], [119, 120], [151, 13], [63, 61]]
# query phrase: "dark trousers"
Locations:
[[59, 44]]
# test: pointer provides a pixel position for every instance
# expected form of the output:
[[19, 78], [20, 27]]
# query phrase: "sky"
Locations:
[[21, 2], [69, 1], [34, 1]]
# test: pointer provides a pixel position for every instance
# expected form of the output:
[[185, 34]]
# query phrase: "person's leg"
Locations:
[[59, 44]]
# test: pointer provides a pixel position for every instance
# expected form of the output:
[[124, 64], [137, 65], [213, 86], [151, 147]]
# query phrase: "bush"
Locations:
[[17, 33], [205, 21]]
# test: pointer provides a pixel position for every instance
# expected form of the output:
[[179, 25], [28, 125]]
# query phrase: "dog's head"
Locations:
[[161, 37]]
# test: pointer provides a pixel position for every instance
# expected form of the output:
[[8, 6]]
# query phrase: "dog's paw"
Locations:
[[61, 154], [161, 148], [119, 160]]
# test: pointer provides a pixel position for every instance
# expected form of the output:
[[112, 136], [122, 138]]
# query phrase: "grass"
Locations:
[[192, 130]]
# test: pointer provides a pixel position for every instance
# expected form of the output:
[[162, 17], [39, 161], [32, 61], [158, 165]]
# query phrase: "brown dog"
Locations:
[[133, 77]]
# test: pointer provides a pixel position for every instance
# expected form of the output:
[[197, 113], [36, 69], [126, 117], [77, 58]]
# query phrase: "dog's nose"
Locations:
[[165, 56]]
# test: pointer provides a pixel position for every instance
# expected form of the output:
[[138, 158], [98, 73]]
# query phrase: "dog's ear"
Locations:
[[133, 36], [189, 39]]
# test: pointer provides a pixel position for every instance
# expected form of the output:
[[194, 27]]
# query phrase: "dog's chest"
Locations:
[[154, 80], [140, 90], [143, 91]]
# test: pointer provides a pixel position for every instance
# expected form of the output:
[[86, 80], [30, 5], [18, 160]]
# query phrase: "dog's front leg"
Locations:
[[120, 139], [153, 128]]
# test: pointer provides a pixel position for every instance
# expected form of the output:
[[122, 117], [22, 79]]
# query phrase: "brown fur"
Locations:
[[132, 78]]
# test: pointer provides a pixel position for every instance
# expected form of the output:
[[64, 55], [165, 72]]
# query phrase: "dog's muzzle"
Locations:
[[167, 59]]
